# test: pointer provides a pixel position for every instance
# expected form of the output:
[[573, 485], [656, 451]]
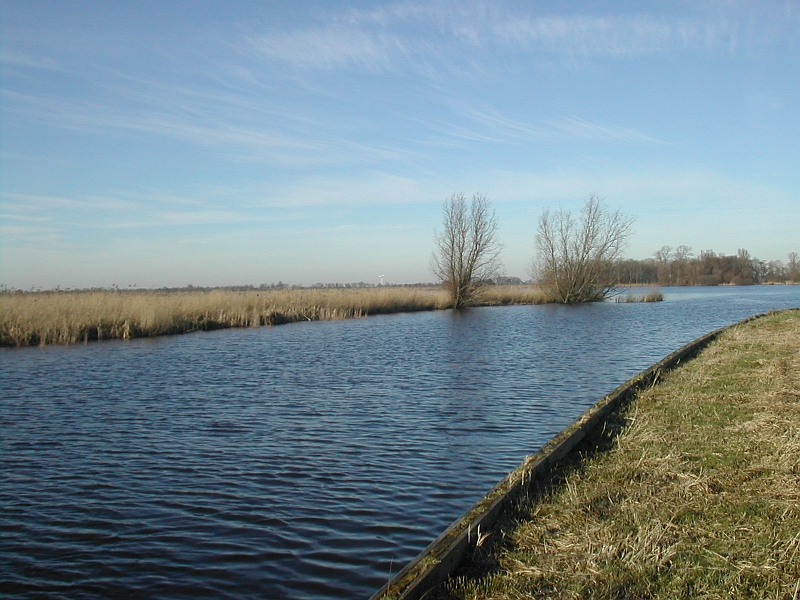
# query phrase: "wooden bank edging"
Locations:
[[434, 564]]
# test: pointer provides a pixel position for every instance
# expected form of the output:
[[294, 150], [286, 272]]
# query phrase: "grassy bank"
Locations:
[[68, 318], [693, 493]]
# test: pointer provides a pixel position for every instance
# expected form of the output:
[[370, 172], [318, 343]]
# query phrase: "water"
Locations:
[[302, 461]]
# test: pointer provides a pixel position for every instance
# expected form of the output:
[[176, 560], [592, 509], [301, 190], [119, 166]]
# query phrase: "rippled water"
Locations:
[[302, 461]]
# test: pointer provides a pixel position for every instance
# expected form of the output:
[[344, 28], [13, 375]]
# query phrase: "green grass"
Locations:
[[694, 492]]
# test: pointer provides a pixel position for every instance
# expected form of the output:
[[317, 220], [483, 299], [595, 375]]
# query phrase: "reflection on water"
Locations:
[[307, 460]]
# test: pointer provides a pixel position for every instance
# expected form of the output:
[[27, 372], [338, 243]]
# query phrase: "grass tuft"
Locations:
[[653, 296]]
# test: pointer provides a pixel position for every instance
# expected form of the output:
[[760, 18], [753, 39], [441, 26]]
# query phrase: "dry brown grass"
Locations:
[[68, 318], [652, 296], [510, 294], [697, 497]]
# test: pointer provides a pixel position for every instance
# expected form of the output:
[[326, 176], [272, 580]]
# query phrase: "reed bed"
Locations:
[[68, 318], [698, 496], [75, 317], [653, 296], [503, 295]]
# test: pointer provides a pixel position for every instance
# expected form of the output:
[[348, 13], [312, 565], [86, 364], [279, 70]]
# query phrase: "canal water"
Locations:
[[310, 460]]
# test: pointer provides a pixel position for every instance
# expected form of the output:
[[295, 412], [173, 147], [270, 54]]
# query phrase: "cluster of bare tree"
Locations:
[[579, 257], [575, 261], [680, 266], [576, 256]]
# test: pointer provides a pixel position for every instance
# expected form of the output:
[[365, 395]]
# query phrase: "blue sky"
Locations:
[[220, 143]]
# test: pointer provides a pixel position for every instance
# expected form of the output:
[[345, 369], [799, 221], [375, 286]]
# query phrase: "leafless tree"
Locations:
[[575, 257], [683, 255], [794, 263], [664, 256], [467, 252]]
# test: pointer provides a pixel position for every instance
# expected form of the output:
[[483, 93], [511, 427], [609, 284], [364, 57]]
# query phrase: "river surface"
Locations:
[[310, 460]]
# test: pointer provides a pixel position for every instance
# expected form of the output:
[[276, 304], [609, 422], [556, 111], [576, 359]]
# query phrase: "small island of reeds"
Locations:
[[651, 296]]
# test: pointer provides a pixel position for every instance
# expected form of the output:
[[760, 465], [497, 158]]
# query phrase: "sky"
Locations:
[[170, 143]]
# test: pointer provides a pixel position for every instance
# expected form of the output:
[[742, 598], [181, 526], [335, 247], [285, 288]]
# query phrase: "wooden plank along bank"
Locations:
[[433, 565]]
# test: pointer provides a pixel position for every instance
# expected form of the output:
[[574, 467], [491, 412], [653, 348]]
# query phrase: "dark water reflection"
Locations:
[[301, 461]]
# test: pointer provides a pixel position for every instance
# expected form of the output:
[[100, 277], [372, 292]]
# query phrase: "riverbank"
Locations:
[[74, 317], [694, 492]]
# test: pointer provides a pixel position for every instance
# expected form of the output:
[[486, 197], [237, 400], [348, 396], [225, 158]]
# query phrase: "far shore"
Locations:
[[41, 318]]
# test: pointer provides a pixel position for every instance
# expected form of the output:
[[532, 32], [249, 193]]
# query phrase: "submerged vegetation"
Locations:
[[75, 317], [693, 492]]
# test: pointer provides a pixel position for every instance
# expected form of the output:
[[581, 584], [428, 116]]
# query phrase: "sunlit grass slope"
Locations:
[[697, 497], [68, 318]]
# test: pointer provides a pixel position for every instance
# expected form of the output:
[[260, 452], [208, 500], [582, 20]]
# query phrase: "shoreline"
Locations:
[[689, 488], [82, 316]]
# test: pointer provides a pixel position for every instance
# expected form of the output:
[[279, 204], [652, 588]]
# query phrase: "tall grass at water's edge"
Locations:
[[69, 318], [652, 296]]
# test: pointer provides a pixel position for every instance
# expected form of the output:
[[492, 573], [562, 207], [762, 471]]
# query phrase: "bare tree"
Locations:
[[575, 257], [794, 263], [467, 252], [682, 256], [663, 256]]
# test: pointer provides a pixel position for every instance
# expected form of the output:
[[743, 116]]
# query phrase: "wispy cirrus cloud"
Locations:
[[198, 128], [25, 213], [618, 36], [646, 191], [35, 202], [232, 126], [25, 230], [369, 190], [418, 34], [18, 59], [507, 128], [488, 125], [201, 217], [580, 128], [332, 47]]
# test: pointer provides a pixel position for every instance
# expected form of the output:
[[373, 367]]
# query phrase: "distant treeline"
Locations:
[[680, 266]]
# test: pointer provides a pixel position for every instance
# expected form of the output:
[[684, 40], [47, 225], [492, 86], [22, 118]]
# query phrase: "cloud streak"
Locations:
[[488, 125], [32, 202], [331, 47], [618, 36], [416, 34], [16, 59], [574, 127]]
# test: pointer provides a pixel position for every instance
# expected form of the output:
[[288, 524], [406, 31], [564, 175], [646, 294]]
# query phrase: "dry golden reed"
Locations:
[[500, 295], [68, 318], [652, 296]]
